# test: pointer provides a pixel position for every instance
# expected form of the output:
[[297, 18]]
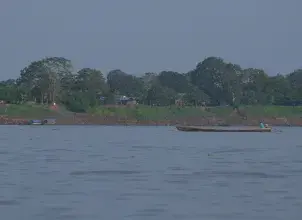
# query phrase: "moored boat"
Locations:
[[222, 129], [35, 122]]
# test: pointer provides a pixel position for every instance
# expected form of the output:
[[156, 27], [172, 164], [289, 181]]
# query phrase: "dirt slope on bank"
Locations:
[[99, 120], [81, 119], [142, 115]]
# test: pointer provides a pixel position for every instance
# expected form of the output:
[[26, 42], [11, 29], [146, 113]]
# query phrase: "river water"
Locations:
[[111, 172]]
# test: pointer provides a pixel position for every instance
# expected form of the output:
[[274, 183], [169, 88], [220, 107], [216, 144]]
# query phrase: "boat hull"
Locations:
[[220, 129], [35, 122]]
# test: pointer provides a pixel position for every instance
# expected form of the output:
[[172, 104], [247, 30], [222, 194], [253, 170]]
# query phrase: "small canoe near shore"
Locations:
[[222, 129], [35, 122]]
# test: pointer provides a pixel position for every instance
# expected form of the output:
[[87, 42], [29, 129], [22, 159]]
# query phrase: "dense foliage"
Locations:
[[212, 82]]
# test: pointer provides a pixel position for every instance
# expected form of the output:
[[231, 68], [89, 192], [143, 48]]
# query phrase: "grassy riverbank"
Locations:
[[27, 111], [159, 114], [142, 112]]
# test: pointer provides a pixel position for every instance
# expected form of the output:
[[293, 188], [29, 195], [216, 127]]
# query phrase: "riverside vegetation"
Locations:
[[213, 89]]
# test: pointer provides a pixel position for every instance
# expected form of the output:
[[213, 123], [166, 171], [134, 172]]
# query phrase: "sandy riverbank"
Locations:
[[81, 119], [146, 115]]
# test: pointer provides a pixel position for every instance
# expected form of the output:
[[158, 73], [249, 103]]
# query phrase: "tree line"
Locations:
[[212, 82]]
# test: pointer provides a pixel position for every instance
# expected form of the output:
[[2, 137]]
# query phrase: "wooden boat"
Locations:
[[222, 129], [35, 122]]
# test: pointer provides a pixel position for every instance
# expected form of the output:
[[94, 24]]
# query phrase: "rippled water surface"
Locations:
[[92, 173]]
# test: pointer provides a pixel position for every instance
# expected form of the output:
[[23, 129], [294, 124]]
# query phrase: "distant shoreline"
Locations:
[[197, 121], [157, 116]]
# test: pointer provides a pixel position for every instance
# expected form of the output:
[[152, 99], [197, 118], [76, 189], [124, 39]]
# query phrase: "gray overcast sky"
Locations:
[[138, 36]]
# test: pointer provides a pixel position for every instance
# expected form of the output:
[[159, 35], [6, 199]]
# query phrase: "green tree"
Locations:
[[295, 81], [43, 77], [125, 84], [173, 80], [159, 95], [213, 81], [84, 89], [254, 83], [278, 90], [219, 80], [9, 91], [195, 96]]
